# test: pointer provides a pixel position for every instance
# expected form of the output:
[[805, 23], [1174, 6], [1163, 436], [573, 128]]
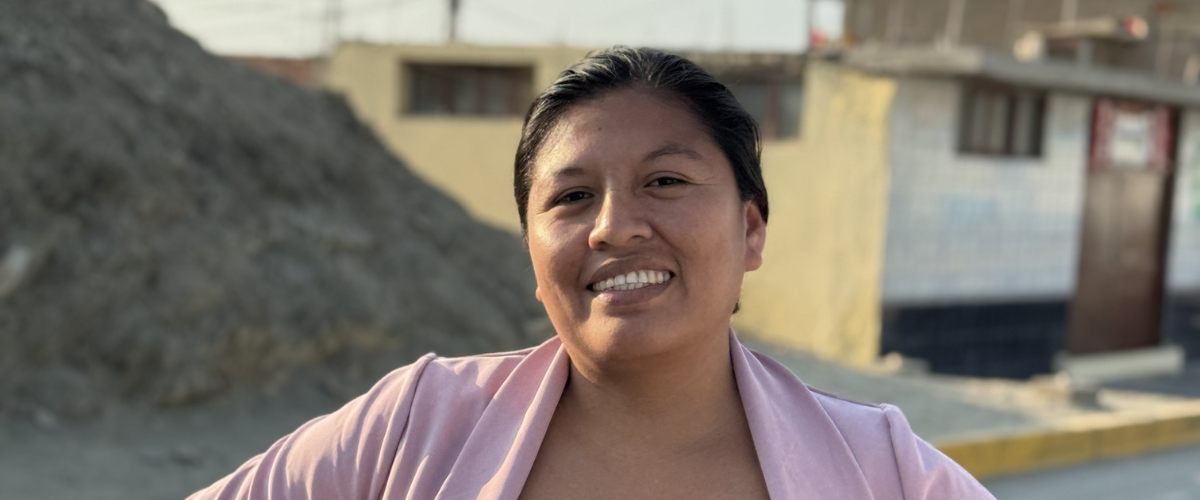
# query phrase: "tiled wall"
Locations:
[[1183, 264], [1183, 261], [968, 228]]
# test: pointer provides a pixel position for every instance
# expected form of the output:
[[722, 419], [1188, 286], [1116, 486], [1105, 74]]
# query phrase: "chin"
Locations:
[[622, 340]]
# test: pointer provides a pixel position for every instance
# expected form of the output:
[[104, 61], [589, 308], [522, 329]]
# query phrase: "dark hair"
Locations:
[[617, 68]]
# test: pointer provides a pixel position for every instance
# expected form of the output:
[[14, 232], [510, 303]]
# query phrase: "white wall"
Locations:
[[1183, 264], [978, 228]]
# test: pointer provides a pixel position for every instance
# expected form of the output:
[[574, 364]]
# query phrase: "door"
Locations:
[[1118, 295]]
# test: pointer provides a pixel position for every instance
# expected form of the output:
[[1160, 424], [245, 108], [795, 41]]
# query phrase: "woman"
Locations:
[[642, 202]]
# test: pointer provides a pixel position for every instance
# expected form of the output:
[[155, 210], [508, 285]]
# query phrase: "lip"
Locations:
[[621, 298]]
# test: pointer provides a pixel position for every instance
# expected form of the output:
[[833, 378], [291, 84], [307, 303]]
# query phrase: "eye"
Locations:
[[666, 181], [572, 197]]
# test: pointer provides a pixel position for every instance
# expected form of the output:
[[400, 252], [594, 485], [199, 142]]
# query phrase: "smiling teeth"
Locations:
[[632, 281]]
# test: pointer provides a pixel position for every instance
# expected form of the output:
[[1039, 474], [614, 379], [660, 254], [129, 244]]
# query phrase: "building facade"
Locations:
[[453, 114], [1034, 209], [1156, 37], [956, 205]]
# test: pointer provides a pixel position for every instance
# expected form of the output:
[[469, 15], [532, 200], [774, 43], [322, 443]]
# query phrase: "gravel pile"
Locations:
[[174, 225]]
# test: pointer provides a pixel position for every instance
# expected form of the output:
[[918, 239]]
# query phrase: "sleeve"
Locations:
[[926, 473], [346, 454]]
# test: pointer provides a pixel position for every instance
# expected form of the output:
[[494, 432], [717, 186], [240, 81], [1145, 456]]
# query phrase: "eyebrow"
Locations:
[[571, 171], [665, 150], [673, 149]]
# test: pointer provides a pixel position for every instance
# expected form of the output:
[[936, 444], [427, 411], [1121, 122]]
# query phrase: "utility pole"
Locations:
[[1070, 11], [894, 32], [954, 21], [333, 24], [1016, 12], [810, 13], [454, 7], [727, 23]]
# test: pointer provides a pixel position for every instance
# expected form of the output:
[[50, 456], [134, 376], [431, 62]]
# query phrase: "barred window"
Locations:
[[443, 89], [1002, 120], [774, 104]]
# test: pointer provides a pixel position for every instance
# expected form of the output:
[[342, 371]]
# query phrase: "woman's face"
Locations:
[[630, 185]]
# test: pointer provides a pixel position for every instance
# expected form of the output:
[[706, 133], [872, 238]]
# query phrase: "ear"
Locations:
[[756, 236]]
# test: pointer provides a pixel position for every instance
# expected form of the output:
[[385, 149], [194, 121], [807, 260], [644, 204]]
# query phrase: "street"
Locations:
[[1169, 475]]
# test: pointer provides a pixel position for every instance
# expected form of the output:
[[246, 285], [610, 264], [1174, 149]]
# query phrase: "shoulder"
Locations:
[[868, 431], [894, 461], [464, 387], [477, 376], [866, 427], [430, 386], [483, 372], [349, 453], [892, 457], [848, 414]]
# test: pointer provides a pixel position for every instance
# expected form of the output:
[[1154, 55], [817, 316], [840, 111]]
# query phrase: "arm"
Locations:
[[343, 455], [925, 473]]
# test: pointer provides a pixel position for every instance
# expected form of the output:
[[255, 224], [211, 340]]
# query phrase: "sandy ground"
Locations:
[[141, 454], [137, 454], [943, 407]]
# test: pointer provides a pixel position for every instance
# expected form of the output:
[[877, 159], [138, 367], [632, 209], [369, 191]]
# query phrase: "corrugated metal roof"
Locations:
[[974, 62]]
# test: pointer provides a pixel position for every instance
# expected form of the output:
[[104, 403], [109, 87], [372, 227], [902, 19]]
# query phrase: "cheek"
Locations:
[[708, 230], [556, 260], [712, 239]]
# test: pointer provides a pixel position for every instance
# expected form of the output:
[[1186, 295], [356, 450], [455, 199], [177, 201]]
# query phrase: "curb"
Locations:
[[1077, 441]]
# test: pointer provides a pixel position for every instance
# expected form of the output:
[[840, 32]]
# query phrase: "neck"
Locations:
[[679, 400]]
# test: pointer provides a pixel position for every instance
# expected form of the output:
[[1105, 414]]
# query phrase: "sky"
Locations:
[[299, 28]]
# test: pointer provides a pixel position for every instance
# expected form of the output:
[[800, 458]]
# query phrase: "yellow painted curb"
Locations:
[[1078, 440]]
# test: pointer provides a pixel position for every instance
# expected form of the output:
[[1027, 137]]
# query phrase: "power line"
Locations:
[[508, 14], [249, 18], [333, 24], [314, 15], [232, 6]]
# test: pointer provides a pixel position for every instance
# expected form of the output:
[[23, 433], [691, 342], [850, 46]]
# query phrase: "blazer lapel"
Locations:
[[496, 459], [802, 453]]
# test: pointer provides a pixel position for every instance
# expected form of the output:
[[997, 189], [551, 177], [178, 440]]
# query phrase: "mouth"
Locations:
[[632, 280]]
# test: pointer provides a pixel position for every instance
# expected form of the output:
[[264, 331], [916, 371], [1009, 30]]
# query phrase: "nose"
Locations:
[[621, 221]]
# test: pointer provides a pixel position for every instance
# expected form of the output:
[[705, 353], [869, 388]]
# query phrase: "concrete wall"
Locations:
[[970, 228], [818, 288], [468, 157], [1182, 304], [995, 24], [987, 23], [1183, 264]]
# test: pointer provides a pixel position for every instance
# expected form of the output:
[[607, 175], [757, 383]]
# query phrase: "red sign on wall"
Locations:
[[1131, 135]]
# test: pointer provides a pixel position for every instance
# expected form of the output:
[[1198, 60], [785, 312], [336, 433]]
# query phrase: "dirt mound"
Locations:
[[173, 224]]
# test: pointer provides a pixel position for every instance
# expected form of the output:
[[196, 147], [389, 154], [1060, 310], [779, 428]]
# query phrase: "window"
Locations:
[[774, 104], [1000, 120], [443, 89]]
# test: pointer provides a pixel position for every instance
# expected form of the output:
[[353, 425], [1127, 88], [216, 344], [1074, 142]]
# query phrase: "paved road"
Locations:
[[1169, 475]]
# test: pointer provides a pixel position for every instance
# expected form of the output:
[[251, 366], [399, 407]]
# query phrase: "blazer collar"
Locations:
[[802, 453]]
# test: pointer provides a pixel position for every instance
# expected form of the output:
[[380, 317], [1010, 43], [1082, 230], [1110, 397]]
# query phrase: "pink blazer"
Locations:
[[463, 428]]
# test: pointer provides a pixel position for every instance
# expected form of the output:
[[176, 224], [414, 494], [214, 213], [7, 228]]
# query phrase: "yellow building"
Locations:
[[454, 113], [451, 113]]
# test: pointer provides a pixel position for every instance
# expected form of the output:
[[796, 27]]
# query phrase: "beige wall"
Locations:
[[468, 157], [819, 286]]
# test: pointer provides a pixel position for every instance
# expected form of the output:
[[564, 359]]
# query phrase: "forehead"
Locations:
[[619, 128]]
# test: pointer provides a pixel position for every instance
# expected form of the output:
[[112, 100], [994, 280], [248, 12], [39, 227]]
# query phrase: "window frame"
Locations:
[[971, 96], [517, 76], [772, 124]]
